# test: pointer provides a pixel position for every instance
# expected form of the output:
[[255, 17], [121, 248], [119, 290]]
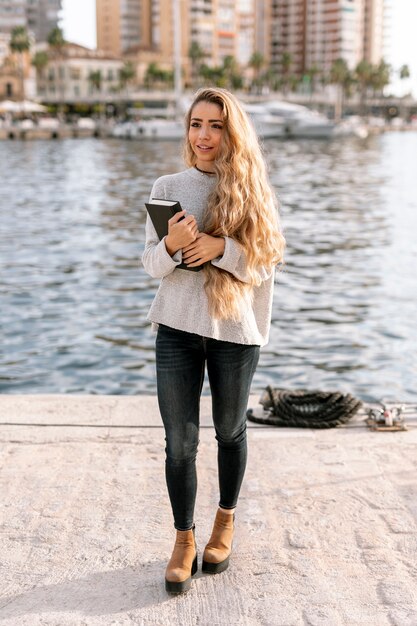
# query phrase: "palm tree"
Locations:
[[213, 75], [339, 76], [39, 62], [286, 60], [404, 72], [231, 72], [196, 54], [381, 76], [126, 74], [56, 40], [311, 73], [152, 74], [95, 80], [20, 43], [256, 62], [363, 74]]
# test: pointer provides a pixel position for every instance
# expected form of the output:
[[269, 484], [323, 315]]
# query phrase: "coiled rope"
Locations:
[[305, 408]]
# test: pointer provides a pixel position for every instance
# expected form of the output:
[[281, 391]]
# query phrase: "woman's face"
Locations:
[[205, 133]]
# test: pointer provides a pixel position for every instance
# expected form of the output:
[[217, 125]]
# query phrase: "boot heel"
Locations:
[[215, 568], [182, 565], [218, 550], [184, 585]]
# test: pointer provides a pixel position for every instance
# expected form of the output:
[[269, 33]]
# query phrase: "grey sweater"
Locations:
[[181, 301]]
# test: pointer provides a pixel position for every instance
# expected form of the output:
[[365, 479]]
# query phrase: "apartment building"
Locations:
[[334, 29], [375, 21], [220, 27], [288, 34], [123, 24], [12, 14], [38, 16], [317, 32], [42, 16], [262, 28]]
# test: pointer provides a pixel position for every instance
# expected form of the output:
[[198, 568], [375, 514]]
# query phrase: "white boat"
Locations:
[[302, 122], [267, 126], [149, 129]]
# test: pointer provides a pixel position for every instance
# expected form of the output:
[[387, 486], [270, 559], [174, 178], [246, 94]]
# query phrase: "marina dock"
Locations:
[[326, 527]]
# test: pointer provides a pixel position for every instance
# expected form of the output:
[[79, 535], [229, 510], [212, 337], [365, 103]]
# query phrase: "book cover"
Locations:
[[160, 211]]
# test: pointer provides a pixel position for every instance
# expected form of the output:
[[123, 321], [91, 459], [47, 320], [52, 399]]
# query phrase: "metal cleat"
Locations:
[[387, 418]]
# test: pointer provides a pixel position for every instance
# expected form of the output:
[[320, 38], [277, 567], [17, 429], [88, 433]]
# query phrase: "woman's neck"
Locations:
[[204, 171]]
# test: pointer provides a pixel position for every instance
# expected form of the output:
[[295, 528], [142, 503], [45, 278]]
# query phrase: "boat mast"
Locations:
[[177, 49]]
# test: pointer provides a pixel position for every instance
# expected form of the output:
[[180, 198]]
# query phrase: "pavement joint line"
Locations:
[[66, 425]]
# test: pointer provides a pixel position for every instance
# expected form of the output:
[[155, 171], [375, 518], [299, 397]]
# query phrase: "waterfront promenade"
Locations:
[[326, 525]]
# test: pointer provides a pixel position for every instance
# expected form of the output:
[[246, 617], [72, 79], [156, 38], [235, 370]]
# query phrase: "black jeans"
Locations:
[[180, 365]]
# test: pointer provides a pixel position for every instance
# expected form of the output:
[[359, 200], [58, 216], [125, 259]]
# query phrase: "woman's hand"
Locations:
[[204, 248], [180, 233]]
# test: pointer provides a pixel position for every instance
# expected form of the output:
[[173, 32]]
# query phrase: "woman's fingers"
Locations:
[[175, 218]]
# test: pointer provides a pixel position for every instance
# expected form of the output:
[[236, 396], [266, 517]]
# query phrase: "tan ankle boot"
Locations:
[[217, 551], [183, 562]]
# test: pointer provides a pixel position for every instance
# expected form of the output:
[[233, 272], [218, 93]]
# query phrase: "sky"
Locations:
[[78, 23]]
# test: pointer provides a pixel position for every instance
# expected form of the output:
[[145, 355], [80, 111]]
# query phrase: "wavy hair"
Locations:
[[242, 206]]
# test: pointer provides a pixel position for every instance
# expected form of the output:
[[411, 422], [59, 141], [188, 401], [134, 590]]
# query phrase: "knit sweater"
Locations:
[[181, 301]]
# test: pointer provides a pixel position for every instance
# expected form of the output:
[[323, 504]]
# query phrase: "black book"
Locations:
[[160, 211]]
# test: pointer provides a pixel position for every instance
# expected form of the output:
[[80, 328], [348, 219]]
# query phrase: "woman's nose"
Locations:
[[204, 131]]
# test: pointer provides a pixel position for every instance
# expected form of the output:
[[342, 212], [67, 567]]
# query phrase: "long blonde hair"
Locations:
[[242, 206]]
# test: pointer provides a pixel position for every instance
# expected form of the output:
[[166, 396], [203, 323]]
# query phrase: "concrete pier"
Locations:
[[326, 528]]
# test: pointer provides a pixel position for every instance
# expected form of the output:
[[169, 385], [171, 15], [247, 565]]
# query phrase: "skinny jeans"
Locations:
[[181, 359]]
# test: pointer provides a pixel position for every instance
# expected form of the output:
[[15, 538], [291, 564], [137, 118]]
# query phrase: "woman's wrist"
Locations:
[[169, 247], [222, 245]]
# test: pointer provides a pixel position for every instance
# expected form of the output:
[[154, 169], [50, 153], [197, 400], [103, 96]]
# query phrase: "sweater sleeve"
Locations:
[[233, 260], [155, 258]]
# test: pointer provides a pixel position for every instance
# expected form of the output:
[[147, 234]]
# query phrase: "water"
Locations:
[[74, 297]]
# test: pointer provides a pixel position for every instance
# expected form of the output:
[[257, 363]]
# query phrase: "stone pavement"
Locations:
[[326, 524]]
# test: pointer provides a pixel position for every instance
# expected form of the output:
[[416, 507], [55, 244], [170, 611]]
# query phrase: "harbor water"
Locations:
[[74, 296]]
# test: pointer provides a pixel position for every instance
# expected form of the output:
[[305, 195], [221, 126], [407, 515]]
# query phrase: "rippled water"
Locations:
[[74, 297]]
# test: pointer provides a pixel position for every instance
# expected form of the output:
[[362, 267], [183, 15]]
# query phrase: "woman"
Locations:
[[220, 315]]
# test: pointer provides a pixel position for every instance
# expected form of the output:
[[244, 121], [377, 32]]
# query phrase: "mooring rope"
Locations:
[[305, 408]]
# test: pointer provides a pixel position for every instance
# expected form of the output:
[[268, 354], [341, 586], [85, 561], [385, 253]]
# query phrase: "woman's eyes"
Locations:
[[197, 125]]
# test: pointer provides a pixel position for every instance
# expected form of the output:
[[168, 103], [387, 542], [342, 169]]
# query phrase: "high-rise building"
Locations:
[[220, 27], [42, 16], [12, 13], [38, 16], [374, 30], [123, 24], [263, 18], [317, 32], [288, 34]]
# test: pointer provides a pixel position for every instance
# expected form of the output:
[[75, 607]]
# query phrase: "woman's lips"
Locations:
[[204, 149]]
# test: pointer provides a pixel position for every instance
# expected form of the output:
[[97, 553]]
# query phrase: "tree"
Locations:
[[231, 72], [196, 54], [126, 74], [155, 74], [380, 77], [363, 74], [286, 60], [20, 43], [56, 41], [213, 75], [40, 61], [312, 73], [151, 74], [95, 80], [339, 76], [256, 62], [404, 72]]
